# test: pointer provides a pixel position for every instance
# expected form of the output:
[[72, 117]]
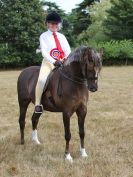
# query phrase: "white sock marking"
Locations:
[[68, 158], [35, 137], [83, 152]]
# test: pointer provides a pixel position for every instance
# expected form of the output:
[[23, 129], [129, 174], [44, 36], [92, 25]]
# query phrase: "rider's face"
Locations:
[[53, 26]]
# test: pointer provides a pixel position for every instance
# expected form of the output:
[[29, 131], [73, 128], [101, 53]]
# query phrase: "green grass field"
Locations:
[[108, 141]]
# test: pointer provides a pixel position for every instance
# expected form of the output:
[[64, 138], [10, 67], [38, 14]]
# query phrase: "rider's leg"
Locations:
[[45, 69]]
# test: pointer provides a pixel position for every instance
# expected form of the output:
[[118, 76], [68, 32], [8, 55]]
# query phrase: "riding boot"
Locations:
[[39, 109]]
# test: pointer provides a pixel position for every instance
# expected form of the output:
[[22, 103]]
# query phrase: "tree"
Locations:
[[80, 16], [20, 26], [95, 31], [119, 22]]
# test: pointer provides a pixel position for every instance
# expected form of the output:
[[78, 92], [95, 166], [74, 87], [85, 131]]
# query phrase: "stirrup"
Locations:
[[40, 107]]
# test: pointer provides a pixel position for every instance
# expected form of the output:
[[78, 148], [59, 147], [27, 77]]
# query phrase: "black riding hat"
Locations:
[[53, 17]]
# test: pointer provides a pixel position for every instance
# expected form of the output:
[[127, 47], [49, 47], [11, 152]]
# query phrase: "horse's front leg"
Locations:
[[81, 113], [35, 119], [66, 121]]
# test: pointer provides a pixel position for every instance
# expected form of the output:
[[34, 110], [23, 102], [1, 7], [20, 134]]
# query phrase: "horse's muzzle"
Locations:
[[92, 89]]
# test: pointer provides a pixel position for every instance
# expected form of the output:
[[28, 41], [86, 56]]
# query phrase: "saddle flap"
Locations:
[[48, 80]]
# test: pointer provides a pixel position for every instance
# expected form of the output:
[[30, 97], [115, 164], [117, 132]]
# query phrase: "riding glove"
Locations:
[[58, 63]]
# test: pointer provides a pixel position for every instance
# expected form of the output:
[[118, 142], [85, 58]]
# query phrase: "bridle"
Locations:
[[75, 79], [86, 76]]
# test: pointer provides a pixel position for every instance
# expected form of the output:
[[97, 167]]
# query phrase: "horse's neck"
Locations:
[[74, 69]]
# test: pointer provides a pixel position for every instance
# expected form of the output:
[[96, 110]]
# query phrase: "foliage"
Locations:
[[80, 16], [119, 23], [95, 32], [116, 52], [21, 24]]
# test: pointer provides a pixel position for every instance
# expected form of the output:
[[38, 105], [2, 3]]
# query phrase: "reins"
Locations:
[[74, 79]]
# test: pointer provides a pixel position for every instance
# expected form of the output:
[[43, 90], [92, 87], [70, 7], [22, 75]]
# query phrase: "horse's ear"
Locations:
[[101, 51]]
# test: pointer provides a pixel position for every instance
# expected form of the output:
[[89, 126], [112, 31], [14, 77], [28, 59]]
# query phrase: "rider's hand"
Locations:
[[58, 63]]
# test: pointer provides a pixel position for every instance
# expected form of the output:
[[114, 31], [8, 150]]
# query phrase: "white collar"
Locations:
[[50, 32]]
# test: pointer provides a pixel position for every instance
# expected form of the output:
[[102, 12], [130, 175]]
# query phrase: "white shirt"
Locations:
[[47, 45]]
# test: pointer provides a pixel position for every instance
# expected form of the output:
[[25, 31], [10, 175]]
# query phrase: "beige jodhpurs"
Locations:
[[45, 69]]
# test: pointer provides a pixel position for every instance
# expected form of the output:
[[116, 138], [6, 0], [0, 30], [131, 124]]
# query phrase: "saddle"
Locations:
[[59, 88]]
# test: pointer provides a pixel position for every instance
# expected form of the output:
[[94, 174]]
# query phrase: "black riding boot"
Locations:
[[38, 109]]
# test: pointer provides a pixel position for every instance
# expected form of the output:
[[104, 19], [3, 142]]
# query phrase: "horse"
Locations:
[[67, 91]]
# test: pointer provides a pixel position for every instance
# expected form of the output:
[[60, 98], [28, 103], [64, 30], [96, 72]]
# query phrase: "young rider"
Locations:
[[54, 48]]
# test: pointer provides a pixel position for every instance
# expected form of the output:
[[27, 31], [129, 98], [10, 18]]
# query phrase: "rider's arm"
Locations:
[[67, 49], [44, 50]]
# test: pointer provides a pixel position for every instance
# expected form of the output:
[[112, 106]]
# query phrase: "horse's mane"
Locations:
[[75, 55], [78, 56]]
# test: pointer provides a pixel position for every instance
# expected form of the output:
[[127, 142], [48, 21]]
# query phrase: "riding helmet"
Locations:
[[53, 17]]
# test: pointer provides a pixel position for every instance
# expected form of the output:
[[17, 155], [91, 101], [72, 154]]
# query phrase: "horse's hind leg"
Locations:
[[35, 119], [81, 113], [23, 108]]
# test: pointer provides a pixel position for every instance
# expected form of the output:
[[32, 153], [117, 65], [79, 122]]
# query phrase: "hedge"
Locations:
[[117, 52]]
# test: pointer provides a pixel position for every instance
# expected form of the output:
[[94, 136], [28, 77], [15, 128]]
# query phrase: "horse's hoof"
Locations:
[[36, 141], [83, 152], [68, 158]]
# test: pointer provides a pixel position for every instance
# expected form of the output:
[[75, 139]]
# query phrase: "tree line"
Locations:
[[95, 23]]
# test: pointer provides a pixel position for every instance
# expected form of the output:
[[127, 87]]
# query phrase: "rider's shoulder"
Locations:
[[47, 33], [43, 34], [60, 34]]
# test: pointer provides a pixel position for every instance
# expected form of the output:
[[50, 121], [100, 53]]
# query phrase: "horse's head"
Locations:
[[91, 66], [89, 62]]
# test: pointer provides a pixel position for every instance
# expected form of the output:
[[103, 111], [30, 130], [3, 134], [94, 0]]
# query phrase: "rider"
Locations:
[[54, 48]]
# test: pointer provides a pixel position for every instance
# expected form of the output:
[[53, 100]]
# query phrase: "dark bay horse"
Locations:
[[67, 92]]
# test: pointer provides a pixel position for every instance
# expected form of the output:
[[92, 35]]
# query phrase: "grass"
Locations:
[[109, 132]]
